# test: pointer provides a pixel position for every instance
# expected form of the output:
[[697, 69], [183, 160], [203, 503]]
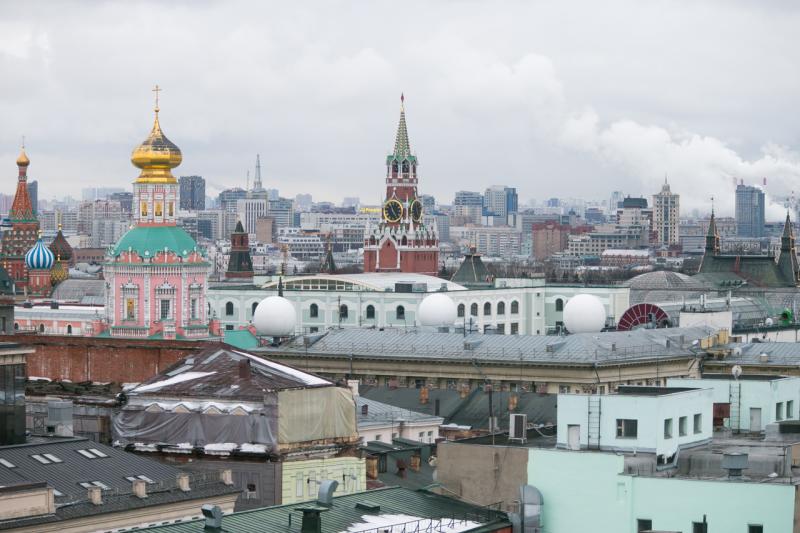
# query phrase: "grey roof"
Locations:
[[379, 414], [471, 411], [778, 354], [663, 286], [75, 290], [614, 347], [65, 477]]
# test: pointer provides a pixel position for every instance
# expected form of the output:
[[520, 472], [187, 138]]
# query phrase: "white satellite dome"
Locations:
[[584, 313], [275, 316], [437, 309]]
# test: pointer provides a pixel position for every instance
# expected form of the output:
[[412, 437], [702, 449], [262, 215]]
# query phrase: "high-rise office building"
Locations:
[[228, 199], [749, 211], [468, 207], [666, 212], [500, 201], [193, 193], [33, 192]]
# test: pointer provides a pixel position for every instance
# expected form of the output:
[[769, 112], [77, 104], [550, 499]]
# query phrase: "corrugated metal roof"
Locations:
[[778, 353], [343, 513], [379, 414], [584, 348]]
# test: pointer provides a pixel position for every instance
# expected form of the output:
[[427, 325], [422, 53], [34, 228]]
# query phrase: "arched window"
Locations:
[[514, 307], [313, 311], [343, 311], [487, 309], [501, 308], [229, 309], [16, 325], [41, 328], [69, 329], [461, 309], [473, 309], [371, 311], [559, 304], [253, 308], [401, 312]]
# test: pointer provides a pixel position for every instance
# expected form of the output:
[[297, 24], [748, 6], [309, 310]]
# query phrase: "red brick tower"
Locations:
[[24, 230], [402, 242]]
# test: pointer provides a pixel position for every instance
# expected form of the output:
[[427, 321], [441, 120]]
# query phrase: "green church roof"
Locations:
[[149, 240]]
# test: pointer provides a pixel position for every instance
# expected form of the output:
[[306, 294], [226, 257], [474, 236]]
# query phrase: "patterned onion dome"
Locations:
[[39, 257], [58, 273]]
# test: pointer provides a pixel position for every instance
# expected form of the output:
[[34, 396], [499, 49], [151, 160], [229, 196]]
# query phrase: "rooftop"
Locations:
[[225, 373], [612, 347], [363, 511], [368, 281], [72, 465], [380, 414]]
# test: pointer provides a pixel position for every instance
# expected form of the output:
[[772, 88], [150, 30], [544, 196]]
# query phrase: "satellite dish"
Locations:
[[736, 371]]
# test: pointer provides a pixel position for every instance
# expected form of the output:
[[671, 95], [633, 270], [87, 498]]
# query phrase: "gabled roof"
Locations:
[[215, 372], [76, 462]]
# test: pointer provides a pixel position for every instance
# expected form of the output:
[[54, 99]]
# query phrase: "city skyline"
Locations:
[[536, 109]]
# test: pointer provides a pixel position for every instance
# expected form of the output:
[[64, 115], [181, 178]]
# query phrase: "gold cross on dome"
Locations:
[[157, 90]]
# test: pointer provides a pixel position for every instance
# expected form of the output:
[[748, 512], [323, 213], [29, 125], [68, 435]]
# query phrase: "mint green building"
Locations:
[[590, 492]]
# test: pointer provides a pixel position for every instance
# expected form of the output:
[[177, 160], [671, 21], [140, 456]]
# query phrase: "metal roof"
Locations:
[[215, 373], [778, 354], [108, 468], [344, 514], [381, 414], [377, 281], [612, 347]]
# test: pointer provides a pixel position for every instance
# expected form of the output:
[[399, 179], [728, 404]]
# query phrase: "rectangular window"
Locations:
[[755, 528], [790, 409], [683, 425], [7, 464], [164, 309], [627, 428], [298, 490], [194, 308], [779, 411], [668, 428], [514, 328], [130, 309], [643, 524], [378, 437], [41, 459], [698, 423], [421, 436]]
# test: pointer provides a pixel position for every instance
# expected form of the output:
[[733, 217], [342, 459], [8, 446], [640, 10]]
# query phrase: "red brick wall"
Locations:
[[100, 359]]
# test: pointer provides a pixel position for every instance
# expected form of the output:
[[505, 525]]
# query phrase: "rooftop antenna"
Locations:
[[257, 181]]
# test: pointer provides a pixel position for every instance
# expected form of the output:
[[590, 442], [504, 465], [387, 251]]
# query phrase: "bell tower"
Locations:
[[402, 242]]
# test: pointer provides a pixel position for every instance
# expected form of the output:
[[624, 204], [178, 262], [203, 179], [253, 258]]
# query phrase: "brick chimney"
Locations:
[[423, 395], [96, 495], [415, 460], [140, 488], [513, 400], [372, 467], [183, 482]]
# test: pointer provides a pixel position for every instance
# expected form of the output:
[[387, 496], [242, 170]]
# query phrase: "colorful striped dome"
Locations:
[[39, 257]]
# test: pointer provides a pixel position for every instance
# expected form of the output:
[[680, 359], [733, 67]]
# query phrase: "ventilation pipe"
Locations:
[[213, 517]]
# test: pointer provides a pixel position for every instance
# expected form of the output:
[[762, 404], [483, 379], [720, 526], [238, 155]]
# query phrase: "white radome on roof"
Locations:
[[437, 309], [275, 316], [584, 313]]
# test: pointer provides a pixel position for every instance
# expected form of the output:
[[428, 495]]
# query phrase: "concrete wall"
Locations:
[[650, 413], [406, 431], [585, 491], [759, 394], [482, 474]]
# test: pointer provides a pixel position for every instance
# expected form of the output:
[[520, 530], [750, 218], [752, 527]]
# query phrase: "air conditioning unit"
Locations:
[[518, 428]]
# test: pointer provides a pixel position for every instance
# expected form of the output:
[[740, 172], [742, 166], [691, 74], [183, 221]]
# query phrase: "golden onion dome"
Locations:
[[23, 160], [156, 156]]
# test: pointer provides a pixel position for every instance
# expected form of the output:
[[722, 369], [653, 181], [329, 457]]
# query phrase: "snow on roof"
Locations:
[[386, 521], [186, 376], [308, 379]]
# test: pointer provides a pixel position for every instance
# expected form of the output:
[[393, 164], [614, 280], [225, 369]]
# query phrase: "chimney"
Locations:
[[183, 482], [372, 467], [312, 521], [96, 495], [415, 460], [401, 468], [423, 395], [140, 488], [364, 410], [213, 516], [513, 400], [436, 405], [244, 369], [227, 476], [353, 385], [464, 391]]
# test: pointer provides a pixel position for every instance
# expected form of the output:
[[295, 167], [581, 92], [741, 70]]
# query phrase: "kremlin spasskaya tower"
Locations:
[[402, 242]]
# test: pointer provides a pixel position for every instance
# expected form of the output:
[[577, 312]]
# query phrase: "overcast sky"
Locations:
[[556, 98]]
